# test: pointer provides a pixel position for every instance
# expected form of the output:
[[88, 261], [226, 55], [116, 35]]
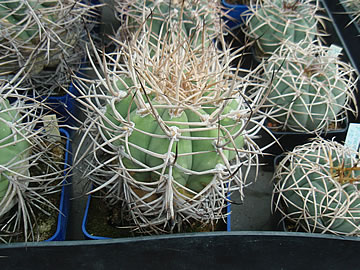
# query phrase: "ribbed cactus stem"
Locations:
[[14, 153], [272, 23], [317, 188], [179, 136], [308, 88], [37, 34]]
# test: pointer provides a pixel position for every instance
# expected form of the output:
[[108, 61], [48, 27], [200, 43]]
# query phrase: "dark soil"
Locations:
[[44, 221], [275, 127], [106, 221]]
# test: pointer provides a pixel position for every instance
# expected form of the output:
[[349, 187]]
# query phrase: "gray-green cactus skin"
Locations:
[[14, 148], [37, 34], [318, 186], [309, 90], [191, 18], [275, 22]]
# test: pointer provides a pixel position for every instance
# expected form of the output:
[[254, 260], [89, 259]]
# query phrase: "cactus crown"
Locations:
[[291, 6]]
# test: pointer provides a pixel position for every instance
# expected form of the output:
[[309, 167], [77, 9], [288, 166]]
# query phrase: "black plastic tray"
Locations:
[[228, 250], [288, 140]]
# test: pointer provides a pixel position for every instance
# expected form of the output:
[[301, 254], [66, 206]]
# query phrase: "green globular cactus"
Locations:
[[353, 8], [317, 188], [14, 153], [32, 169], [190, 141], [36, 34], [272, 23], [309, 89], [196, 19], [169, 132]]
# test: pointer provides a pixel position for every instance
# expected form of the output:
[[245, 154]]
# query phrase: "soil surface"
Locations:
[[45, 220], [105, 221]]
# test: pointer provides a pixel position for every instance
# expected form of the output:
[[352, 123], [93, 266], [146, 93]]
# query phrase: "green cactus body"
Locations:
[[13, 146], [230, 124], [308, 104], [41, 30], [274, 23], [353, 8], [306, 93], [19, 12], [154, 22], [166, 14], [314, 195], [8, 20], [194, 150], [203, 161]]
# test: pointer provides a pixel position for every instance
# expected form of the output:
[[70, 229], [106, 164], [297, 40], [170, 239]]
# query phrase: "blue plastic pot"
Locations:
[[64, 206], [95, 237], [236, 14], [65, 106]]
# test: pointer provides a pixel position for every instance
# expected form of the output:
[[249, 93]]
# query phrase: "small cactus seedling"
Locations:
[[271, 23], [310, 90], [317, 188]]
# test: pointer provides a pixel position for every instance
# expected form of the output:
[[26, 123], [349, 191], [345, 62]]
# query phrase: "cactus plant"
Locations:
[[317, 188], [271, 23], [41, 35], [310, 90], [196, 18], [353, 8], [14, 154], [30, 168], [169, 132]]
